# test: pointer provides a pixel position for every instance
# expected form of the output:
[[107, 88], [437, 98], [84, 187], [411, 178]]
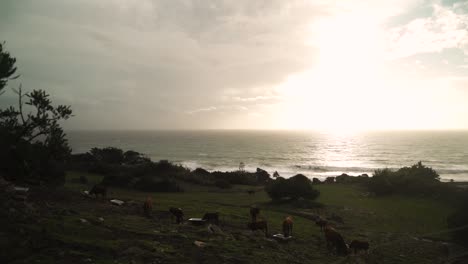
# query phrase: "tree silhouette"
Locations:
[[33, 147]]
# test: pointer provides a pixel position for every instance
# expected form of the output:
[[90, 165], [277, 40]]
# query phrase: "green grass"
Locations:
[[390, 224]]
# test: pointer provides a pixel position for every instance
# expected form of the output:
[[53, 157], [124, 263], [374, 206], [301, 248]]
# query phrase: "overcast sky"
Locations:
[[249, 64]]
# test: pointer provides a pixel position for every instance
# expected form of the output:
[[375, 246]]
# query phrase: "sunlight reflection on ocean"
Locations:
[[313, 154]]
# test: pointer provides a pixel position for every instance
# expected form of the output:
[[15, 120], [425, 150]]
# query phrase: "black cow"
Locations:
[[260, 225], [212, 218], [98, 189], [178, 213], [321, 222], [254, 212]]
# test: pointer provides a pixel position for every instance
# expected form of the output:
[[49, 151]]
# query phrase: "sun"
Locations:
[[336, 93]]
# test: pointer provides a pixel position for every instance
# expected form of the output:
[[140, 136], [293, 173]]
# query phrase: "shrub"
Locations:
[[223, 184], [293, 188], [109, 155], [415, 180]]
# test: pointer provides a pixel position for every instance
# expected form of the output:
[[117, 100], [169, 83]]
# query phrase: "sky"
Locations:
[[244, 64]]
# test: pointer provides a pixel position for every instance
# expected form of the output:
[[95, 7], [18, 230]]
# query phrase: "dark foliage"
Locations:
[[293, 188], [223, 184], [7, 67], [132, 157], [415, 180], [316, 181], [152, 176], [33, 147], [109, 155]]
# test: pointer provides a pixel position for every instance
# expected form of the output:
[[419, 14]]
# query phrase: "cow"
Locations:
[[178, 214], [98, 189], [260, 225], [148, 206], [335, 240], [357, 246], [212, 218], [254, 212], [321, 222], [287, 226]]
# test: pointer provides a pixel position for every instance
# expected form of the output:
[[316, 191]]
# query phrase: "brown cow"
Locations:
[[148, 206], [357, 245], [321, 222], [178, 213], [287, 226], [98, 189], [260, 225], [335, 240], [212, 218], [254, 212]]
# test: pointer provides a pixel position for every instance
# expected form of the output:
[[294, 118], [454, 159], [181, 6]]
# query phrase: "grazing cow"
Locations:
[[98, 189], [260, 225], [358, 245], [148, 206], [251, 192], [178, 213], [287, 226], [212, 218], [335, 240], [321, 222], [254, 212]]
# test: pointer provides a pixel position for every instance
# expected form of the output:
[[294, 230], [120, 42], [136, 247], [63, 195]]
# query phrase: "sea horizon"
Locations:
[[314, 153]]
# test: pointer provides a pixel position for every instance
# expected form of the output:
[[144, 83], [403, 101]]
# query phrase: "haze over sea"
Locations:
[[314, 154]]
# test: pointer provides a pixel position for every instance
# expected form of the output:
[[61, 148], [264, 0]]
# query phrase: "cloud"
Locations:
[[154, 55], [446, 28]]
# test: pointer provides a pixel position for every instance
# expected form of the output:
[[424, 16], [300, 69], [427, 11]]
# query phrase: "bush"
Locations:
[[109, 155], [223, 184], [415, 180], [293, 188]]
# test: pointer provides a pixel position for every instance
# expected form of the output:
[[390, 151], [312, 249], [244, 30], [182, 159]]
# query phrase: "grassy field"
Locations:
[[400, 229]]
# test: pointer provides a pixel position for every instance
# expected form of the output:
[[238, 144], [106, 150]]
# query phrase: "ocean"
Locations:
[[314, 154]]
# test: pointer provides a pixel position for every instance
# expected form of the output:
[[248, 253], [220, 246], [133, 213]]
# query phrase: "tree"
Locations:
[[7, 67], [33, 147]]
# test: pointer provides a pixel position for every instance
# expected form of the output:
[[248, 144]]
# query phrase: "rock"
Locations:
[[117, 202], [21, 189], [199, 244], [214, 229], [84, 221], [101, 219]]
